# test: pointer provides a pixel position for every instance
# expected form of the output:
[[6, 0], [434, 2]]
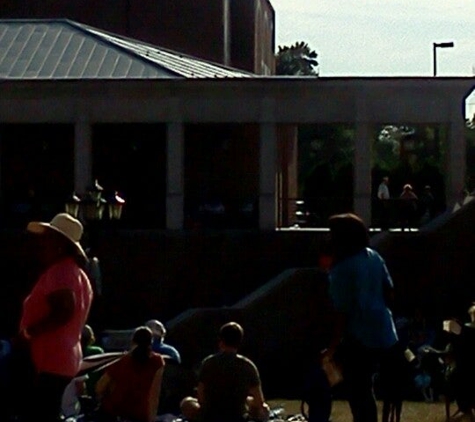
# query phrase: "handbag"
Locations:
[[332, 370]]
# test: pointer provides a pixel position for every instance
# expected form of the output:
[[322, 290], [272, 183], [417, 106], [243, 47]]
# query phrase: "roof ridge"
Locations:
[[86, 27], [150, 61], [35, 20]]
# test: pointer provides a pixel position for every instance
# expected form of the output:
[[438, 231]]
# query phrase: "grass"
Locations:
[[411, 411]]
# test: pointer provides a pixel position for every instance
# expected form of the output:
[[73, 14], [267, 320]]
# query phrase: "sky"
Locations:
[[382, 37]]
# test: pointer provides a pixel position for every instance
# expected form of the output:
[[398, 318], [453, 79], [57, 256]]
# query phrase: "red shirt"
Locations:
[[58, 351], [131, 383]]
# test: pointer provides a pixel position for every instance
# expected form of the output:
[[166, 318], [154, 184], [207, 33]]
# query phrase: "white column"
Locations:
[[227, 32], [82, 156], [175, 175], [456, 154], [267, 176], [362, 164]]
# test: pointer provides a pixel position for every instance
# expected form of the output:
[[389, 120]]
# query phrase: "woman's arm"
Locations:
[[61, 305], [339, 325], [200, 392], [103, 386], [388, 286], [155, 390]]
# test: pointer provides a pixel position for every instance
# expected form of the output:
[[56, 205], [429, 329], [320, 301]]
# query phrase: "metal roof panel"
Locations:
[[62, 49]]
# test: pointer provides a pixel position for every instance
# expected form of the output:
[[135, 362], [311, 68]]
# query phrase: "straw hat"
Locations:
[[64, 224]]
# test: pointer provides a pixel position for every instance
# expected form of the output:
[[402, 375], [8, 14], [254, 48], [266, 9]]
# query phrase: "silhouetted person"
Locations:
[[364, 332], [384, 202]]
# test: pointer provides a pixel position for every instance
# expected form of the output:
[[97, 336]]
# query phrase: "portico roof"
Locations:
[[62, 49]]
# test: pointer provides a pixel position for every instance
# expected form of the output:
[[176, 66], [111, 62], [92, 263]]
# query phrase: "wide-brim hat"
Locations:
[[64, 224]]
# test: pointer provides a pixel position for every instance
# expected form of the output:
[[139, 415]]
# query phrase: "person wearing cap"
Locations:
[[159, 346], [55, 312]]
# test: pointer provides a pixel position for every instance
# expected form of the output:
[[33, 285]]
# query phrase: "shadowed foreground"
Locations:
[[411, 411]]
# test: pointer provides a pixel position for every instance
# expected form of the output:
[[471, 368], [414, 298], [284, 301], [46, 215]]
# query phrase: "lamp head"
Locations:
[[444, 44]]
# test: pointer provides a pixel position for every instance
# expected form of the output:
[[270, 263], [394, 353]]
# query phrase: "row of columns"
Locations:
[[455, 165], [267, 176], [268, 200], [175, 189], [456, 153]]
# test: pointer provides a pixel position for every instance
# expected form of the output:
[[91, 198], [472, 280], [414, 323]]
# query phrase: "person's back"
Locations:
[[360, 290], [365, 275], [130, 388], [167, 350], [159, 346], [132, 380], [229, 386], [383, 189], [227, 378], [427, 201]]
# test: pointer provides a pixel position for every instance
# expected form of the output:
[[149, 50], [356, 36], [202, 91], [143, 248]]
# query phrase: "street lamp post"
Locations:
[[115, 206], [91, 208], [72, 205], [435, 46], [94, 204]]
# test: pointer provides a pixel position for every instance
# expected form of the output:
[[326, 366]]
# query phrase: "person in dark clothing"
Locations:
[[316, 404], [464, 371], [426, 205], [396, 372], [407, 207]]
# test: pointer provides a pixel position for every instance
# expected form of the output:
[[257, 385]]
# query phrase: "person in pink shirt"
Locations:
[[55, 312]]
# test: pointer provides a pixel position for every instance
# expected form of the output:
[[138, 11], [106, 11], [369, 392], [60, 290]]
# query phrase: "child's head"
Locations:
[[87, 336], [471, 312], [190, 408]]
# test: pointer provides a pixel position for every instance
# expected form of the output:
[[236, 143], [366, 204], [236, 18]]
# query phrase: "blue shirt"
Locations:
[[356, 289], [166, 350]]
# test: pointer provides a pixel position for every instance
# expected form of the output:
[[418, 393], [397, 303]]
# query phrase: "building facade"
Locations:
[[231, 32], [183, 136]]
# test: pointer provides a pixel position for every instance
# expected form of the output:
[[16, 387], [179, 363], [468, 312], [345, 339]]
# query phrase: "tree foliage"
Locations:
[[326, 154], [387, 146], [296, 60]]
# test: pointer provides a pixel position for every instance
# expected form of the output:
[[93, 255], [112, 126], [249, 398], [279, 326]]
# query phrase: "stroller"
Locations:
[[14, 392], [90, 364]]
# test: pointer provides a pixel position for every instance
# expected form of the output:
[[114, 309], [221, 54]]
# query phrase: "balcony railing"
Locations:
[[314, 212]]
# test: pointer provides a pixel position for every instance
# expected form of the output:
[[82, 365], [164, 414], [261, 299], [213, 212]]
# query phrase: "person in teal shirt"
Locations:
[[360, 288]]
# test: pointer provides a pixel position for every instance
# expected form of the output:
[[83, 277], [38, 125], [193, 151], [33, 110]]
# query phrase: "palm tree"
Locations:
[[298, 60]]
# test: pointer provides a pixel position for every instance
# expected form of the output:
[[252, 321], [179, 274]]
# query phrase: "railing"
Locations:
[[311, 211], [314, 212]]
